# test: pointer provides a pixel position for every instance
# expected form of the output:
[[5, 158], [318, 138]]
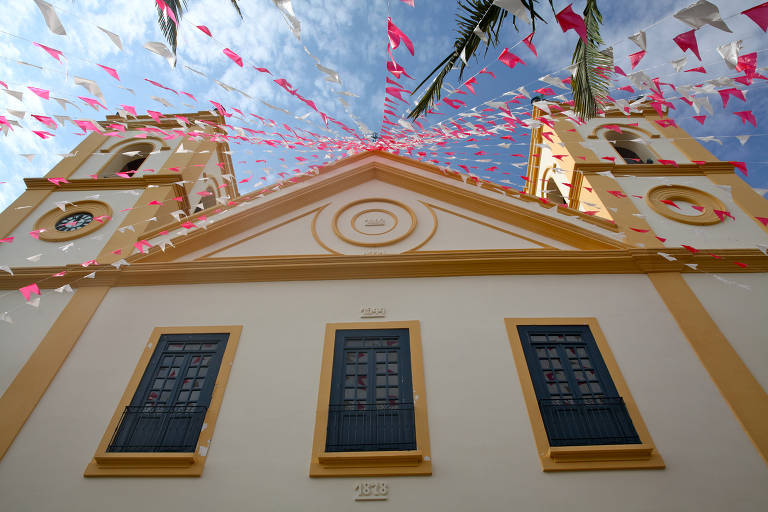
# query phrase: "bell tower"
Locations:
[[128, 176], [643, 172]]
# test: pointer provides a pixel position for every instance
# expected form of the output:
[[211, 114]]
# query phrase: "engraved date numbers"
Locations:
[[370, 490]]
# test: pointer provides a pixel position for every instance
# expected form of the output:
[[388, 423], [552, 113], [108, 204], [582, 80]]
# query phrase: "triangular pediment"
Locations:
[[376, 203]]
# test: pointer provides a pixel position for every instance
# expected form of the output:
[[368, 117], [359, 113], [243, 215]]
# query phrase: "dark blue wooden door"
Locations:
[[170, 403], [371, 405], [577, 398]]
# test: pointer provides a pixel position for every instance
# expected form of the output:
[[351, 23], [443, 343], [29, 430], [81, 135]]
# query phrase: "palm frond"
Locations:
[[594, 67], [167, 25], [170, 31], [237, 8], [471, 14]]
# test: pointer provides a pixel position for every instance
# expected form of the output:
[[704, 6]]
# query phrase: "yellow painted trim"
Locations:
[[166, 464], [656, 195], [101, 183], [746, 397], [431, 233], [577, 184], [11, 217], [415, 462], [30, 384], [315, 235], [338, 233], [411, 264], [68, 166], [29, 201], [48, 221], [645, 170], [500, 209], [534, 157], [577, 458]]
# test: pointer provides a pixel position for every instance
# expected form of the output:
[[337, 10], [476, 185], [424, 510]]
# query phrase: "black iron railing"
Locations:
[[149, 428], [370, 427], [587, 421]]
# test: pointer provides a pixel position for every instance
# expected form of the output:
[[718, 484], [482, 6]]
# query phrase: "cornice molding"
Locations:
[[499, 208], [655, 169], [422, 264], [102, 183]]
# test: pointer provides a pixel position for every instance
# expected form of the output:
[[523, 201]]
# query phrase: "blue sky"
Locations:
[[349, 37]]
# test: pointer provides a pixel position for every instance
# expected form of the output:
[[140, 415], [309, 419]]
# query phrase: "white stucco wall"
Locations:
[[740, 314], [483, 450], [82, 249], [19, 339], [739, 232]]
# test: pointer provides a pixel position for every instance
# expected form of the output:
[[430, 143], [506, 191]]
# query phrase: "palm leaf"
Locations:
[[594, 67], [472, 13], [178, 7]]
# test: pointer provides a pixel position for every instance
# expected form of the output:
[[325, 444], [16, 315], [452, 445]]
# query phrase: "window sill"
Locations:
[[620, 456], [382, 463], [145, 464]]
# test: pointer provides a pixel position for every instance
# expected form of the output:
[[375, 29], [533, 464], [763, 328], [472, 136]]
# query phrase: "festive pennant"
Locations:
[[205, 30], [570, 20], [51, 18], [53, 52], [396, 69], [90, 86], [758, 14], [161, 50], [528, 41], [639, 39], [730, 53], [687, 41], [112, 72], [113, 37], [747, 116], [40, 92], [515, 8], [232, 55], [46, 121], [740, 165], [509, 58], [93, 103], [396, 35], [702, 13], [725, 94], [28, 290], [635, 58], [290, 17]]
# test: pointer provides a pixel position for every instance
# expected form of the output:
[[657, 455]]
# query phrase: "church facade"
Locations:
[[385, 330]]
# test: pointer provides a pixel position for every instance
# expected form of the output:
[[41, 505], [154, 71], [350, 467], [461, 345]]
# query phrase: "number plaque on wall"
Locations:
[[371, 490]]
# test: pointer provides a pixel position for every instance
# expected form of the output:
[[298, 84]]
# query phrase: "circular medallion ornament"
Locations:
[[668, 200], [373, 226], [75, 221], [359, 224]]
